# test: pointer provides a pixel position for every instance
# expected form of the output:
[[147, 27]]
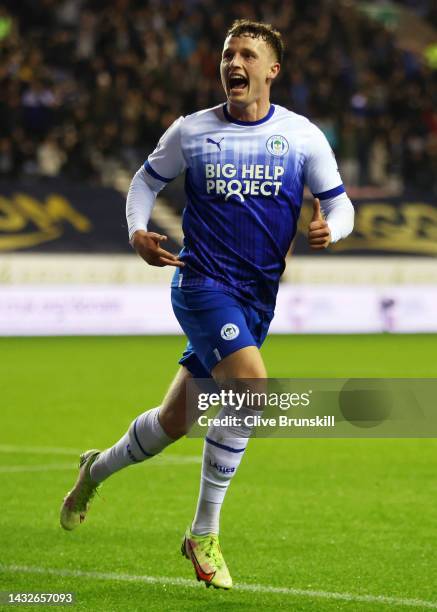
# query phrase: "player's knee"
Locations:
[[252, 371], [245, 363], [240, 371]]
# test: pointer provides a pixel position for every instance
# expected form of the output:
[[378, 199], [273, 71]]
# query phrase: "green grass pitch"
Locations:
[[354, 518]]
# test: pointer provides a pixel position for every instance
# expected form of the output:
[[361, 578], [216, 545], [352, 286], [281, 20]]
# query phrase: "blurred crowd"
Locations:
[[427, 9], [88, 86]]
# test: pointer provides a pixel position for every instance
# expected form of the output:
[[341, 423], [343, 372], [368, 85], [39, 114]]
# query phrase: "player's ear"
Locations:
[[274, 70]]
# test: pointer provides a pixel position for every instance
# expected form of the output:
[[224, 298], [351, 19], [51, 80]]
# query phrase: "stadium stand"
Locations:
[[427, 9], [88, 86]]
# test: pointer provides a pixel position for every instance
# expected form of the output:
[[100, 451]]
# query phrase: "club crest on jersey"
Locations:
[[229, 331], [277, 145]]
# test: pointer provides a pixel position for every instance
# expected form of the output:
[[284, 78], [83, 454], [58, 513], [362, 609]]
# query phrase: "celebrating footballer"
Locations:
[[246, 162]]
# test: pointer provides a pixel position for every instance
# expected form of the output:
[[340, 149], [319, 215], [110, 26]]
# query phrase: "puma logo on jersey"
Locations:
[[211, 141]]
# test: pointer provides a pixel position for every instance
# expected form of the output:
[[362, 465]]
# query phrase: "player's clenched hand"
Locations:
[[319, 235], [147, 246]]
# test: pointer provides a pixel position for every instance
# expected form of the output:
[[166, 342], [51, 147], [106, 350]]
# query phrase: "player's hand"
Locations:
[[147, 246], [319, 235]]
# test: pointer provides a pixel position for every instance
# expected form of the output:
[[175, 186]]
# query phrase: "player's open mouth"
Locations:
[[237, 82]]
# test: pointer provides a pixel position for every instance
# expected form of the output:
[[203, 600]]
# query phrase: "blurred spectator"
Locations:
[[88, 86], [50, 156], [425, 8], [7, 161], [38, 102]]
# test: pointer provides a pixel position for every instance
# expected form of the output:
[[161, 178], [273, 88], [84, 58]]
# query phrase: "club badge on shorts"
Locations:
[[229, 331]]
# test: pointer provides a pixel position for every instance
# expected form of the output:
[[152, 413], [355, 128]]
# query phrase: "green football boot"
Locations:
[[206, 556], [77, 501]]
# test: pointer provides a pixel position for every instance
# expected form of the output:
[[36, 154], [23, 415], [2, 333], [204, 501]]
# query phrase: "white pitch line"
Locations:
[[251, 588], [56, 450], [38, 450], [158, 462], [7, 469]]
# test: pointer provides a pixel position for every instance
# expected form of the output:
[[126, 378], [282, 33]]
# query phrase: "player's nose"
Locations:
[[236, 61]]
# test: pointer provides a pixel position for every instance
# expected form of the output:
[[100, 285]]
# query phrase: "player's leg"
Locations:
[[146, 437], [173, 415], [223, 450], [225, 445], [245, 363], [224, 336], [148, 434]]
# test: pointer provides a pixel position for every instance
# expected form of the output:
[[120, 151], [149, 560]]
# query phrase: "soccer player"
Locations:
[[246, 162]]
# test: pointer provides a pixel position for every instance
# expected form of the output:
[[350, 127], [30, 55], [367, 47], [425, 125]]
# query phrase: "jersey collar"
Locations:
[[238, 122]]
